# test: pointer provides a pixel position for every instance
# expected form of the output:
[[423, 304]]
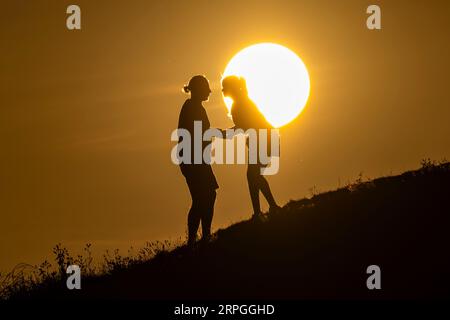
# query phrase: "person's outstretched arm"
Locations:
[[224, 132]]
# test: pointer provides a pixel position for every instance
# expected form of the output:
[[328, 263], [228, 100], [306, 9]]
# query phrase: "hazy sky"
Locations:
[[86, 116]]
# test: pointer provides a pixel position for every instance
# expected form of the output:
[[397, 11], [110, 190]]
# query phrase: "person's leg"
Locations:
[[207, 213], [194, 216], [265, 189], [252, 179]]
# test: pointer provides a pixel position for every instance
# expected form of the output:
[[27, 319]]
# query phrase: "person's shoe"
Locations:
[[274, 209], [191, 243], [205, 239], [258, 217]]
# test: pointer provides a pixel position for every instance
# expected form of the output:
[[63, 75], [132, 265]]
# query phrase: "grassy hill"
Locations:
[[314, 248]]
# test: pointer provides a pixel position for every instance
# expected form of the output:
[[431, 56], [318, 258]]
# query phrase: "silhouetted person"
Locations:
[[199, 177], [246, 115]]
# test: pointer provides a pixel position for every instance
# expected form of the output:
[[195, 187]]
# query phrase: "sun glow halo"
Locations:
[[277, 80]]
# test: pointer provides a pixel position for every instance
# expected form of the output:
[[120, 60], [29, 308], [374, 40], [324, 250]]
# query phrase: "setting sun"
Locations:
[[277, 80]]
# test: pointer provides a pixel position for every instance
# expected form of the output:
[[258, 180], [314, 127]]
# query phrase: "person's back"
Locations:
[[245, 115]]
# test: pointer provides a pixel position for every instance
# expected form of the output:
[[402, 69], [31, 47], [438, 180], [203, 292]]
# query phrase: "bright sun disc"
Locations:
[[277, 80]]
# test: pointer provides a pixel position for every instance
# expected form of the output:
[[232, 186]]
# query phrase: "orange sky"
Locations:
[[86, 116]]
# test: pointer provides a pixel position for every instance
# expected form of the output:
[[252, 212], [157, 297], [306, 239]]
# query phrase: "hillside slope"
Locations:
[[314, 248]]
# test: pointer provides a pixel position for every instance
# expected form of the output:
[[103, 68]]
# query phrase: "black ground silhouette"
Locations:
[[314, 248]]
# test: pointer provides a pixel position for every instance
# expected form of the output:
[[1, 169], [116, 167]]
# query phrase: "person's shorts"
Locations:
[[199, 177]]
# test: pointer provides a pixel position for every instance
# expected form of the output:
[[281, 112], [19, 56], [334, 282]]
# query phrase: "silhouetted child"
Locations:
[[246, 115]]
